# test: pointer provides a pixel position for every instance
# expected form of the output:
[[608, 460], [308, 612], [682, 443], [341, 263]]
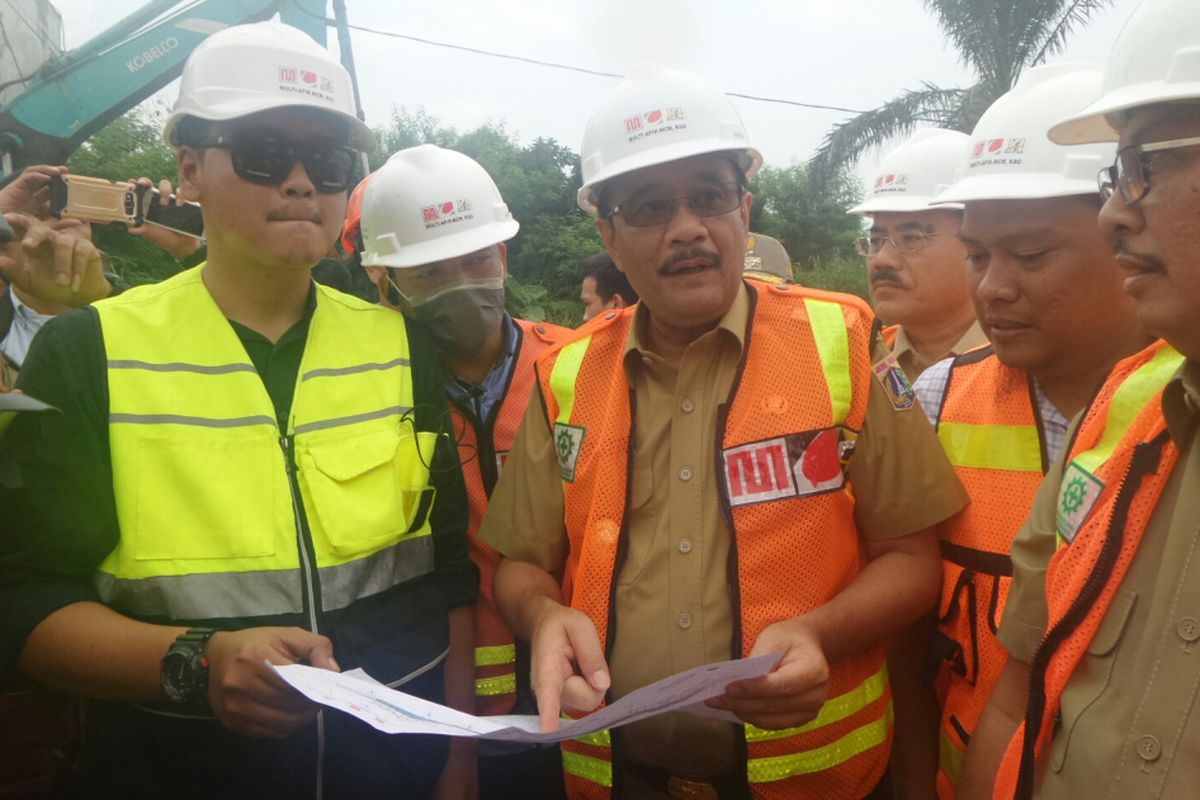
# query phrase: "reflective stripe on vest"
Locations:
[[827, 338], [988, 424], [205, 506], [1128, 400], [482, 445]]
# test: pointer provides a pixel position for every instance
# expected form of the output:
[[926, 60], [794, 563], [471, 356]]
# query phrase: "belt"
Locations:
[[689, 788]]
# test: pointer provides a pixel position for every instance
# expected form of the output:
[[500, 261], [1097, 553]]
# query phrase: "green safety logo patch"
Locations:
[[567, 441], [1077, 495]]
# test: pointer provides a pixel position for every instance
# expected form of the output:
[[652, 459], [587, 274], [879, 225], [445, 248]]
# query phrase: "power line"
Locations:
[[569, 67]]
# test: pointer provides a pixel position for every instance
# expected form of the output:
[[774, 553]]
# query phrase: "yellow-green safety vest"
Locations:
[[209, 490]]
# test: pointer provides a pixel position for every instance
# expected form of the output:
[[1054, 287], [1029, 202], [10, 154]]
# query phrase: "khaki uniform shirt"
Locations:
[[912, 363], [672, 593], [1130, 725]]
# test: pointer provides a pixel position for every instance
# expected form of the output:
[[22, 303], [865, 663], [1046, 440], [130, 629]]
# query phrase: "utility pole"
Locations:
[[347, 51]]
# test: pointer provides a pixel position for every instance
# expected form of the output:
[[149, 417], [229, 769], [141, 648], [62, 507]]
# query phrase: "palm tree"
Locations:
[[996, 38]]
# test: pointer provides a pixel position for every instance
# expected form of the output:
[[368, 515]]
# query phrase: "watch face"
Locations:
[[178, 675]]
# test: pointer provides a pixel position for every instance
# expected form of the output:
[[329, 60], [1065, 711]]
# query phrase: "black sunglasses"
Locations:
[[266, 158]]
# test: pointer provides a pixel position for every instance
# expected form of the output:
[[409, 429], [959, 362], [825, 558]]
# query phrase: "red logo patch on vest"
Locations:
[[796, 465]]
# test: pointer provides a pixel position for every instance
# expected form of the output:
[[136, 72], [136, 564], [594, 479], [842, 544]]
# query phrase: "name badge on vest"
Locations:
[[567, 441], [1078, 494], [895, 383], [789, 466]]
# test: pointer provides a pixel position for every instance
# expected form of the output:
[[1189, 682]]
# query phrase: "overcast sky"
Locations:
[[851, 53]]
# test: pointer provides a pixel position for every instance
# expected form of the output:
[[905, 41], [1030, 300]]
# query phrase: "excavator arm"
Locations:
[[76, 94]]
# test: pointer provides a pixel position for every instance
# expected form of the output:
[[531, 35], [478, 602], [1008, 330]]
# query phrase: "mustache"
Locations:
[[1121, 250], [884, 277], [687, 255]]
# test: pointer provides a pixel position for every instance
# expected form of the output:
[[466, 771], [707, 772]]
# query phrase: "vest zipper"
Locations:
[[1145, 461], [307, 578]]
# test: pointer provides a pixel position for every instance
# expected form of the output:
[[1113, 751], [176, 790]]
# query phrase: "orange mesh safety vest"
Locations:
[[886, 333], [483, 446], [783, 443], [991, 431], [1120, 462]]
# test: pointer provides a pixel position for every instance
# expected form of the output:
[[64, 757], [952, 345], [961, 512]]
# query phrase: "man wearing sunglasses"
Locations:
[[248, 470], [1098, 698], [443, 261], [914, 260], [678, 493]]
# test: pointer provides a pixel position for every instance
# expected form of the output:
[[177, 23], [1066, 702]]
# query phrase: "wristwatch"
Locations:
[[184, 669]]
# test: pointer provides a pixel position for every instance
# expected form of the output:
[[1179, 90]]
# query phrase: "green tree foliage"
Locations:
[[810, 221], [996, 40], [129, 147]]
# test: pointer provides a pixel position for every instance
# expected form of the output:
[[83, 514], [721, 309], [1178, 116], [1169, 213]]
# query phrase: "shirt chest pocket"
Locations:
[[1092, 677], [365, 492]]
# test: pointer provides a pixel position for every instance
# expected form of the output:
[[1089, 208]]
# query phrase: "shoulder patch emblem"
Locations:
[[1076, 497], [895, 383], [567, 441], [796, 465]]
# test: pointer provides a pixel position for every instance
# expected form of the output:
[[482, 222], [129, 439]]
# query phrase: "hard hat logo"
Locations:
[[891, 184], [653, 122], [446, 213], [997, 153], [306, 82]]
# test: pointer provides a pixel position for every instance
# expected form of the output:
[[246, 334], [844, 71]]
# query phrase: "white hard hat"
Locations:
[[915, 172], [1156, 60], [656, 115], [1010, 157], [428, 204], [245, 69]]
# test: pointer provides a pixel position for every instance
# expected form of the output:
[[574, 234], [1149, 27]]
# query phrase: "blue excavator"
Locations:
[[73, 95]]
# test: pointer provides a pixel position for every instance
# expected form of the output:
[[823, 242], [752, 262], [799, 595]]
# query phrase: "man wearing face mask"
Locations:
[[433, 226]]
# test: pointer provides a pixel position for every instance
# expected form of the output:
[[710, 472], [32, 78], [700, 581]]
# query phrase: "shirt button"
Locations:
[[687, 406], [685, 473], [685, 546], [1149, 748], [685, 620], [1188, 629]]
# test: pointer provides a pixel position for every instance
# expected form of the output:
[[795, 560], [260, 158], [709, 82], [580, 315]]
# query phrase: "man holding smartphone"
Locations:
[[244, 474]]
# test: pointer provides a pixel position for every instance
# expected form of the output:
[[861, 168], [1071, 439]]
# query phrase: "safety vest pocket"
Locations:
[[176, 481], [367, 491], [1092, 677]]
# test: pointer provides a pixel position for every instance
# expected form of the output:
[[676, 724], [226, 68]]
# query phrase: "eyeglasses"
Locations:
[[266, 158], [907, 243], [1130, 174], [708, 201]]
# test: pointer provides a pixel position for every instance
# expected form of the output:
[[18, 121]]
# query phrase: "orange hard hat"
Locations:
[[353, 224]]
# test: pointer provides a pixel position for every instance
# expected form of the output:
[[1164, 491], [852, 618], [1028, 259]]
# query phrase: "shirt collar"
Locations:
[[732, 326], [24, 312], [1181, 403], [973, 337]]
